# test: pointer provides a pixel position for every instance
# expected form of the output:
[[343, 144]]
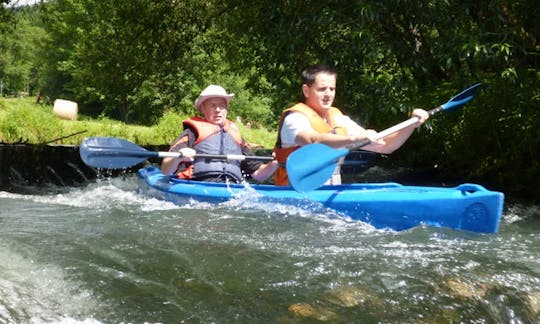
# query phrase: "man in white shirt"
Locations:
[[316, 121]]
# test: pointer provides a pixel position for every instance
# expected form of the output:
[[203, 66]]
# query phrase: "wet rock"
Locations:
[[306, 311], [461, 288], [532, 304], [350, 296]]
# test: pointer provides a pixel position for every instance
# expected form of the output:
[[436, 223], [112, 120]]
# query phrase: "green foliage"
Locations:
[[21, 123], [19, 47], [249, 106], [492, 150], [5, 16], [258, 138], [170, 126], [125, 62]]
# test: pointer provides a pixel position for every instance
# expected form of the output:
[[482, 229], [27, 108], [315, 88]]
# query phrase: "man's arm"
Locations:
[[182, 144]]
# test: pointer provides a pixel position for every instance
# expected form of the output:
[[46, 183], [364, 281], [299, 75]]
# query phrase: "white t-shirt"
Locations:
[[296, 122]]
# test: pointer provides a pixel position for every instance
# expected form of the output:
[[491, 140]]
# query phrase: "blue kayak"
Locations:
[[392, 206]]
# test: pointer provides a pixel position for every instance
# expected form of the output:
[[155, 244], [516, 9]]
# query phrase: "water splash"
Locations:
[[36, 292]]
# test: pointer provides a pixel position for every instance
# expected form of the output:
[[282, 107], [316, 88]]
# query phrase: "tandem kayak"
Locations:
[[391, 205]]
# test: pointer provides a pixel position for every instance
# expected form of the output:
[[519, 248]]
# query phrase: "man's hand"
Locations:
[[188, 154]]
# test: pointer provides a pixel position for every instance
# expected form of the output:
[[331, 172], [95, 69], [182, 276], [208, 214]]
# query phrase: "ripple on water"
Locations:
[[36, 292]]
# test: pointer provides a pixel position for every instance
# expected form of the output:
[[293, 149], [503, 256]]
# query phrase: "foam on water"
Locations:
[[518, 212], [101, 196], [114, 193], [94, 196], [249, 199], [34, 292]]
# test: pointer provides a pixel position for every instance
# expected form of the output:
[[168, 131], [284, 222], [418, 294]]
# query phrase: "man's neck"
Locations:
[[321, 112]]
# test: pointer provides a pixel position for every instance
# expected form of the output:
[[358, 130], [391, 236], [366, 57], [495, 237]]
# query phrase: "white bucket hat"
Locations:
[[213, 91]]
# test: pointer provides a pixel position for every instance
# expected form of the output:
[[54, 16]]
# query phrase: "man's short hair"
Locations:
[[309, 74]]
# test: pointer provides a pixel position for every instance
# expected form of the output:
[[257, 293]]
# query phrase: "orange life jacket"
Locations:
[[317, 122], [214, 139]]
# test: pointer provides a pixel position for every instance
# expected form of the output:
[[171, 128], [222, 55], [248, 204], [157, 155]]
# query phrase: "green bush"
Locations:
[[22, 123], [170, 126]]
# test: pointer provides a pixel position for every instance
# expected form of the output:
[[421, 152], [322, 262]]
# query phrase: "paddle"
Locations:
[[312, 165], [116, 153]]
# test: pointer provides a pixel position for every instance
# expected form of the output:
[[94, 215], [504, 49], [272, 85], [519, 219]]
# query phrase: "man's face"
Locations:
[[320, 95], [215, 110]]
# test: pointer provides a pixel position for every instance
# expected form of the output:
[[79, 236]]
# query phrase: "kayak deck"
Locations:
[[391, 205]]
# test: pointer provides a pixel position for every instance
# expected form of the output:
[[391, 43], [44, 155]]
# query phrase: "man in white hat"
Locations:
[[213, 133]]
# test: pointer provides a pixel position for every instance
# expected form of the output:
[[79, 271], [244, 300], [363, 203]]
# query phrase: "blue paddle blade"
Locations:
[[461, 98], [112, 153], [310, 166]]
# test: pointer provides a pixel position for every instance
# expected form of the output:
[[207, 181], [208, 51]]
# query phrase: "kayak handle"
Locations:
[[468, 188]]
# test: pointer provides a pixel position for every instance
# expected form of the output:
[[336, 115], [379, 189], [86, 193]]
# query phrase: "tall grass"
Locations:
[[23, 120]]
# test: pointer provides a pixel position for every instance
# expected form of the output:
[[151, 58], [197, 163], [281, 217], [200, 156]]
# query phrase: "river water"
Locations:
[[102, 253]]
